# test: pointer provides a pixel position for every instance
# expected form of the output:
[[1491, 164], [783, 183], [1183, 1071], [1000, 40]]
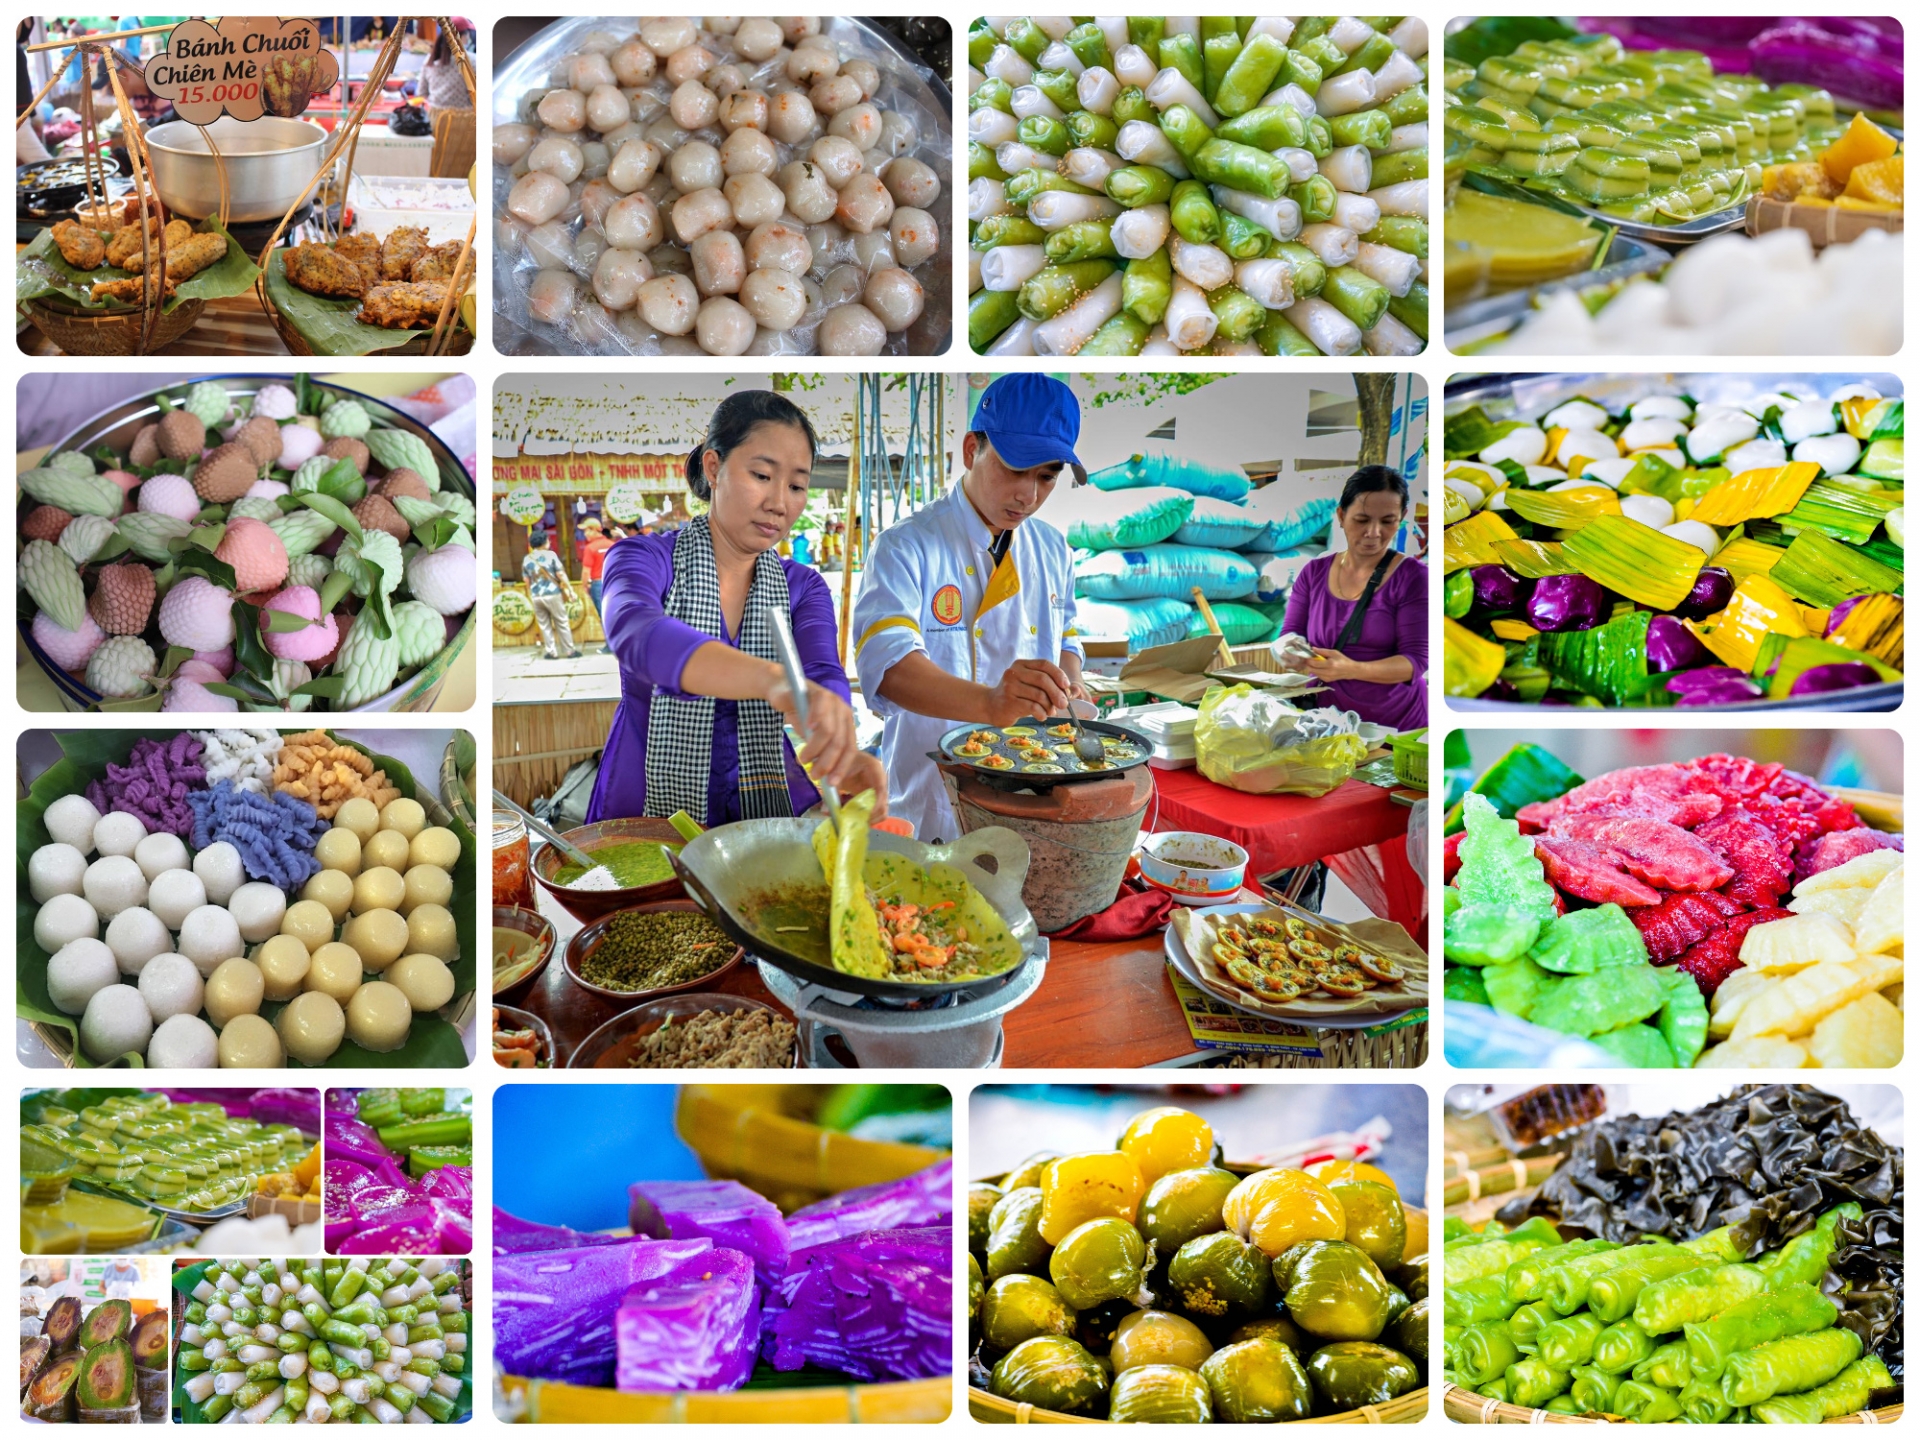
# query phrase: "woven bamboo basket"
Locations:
[[764, 1137], [1400, 1049], [449, 336], [900, 1402], [1466, 1408], [136, 329], [1407, 1409]]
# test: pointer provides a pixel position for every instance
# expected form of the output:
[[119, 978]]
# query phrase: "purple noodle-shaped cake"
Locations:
[[922, 1198], [514, 1236], [697, 1327], [553, 1310], [725, 1212], [877, 1306]]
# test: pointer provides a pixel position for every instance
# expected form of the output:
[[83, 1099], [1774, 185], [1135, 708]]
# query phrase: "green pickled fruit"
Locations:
[[976, 1289], [1332, 1290], [1409, 1331], [1160, 1395], [981, 1198], [1154, 1337], [1257, 1381], [1185, 1204], [106, 1377], [1052, 1372], [1098, 1261], [1219, 1275], [1412, 1278], [1272, 1327], [1014, 1246], [1376, 1220], [1096, 1328], [1397, 1302], [1352, 1373], [1019, 1307], [1027, 1172]]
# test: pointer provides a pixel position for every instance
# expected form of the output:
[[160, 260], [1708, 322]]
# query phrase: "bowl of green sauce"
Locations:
[[633, 849]]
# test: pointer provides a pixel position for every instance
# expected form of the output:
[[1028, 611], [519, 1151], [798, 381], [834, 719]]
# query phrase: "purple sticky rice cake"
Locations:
[[553, 1310], [877, 1306], [923, 1198], [725, 1212], [514, 1236], [697, 1327]]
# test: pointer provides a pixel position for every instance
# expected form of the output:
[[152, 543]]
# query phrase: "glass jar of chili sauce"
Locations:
[[512, 862]]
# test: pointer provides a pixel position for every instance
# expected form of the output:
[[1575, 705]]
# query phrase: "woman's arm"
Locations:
[[1410, 618], [652, 647], [1406, 595]]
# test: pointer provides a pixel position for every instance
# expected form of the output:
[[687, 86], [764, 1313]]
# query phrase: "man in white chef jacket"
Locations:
[[965, 613]]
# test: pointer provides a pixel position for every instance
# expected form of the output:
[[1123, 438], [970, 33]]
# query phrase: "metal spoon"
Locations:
[[797, 683], [1087, 747], [600, 876]]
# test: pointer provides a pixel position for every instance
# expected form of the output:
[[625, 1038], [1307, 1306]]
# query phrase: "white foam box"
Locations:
[[443, 207]]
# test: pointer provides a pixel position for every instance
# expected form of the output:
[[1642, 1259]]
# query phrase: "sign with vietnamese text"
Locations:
[[579, 474], [246, 66], [524, 505]]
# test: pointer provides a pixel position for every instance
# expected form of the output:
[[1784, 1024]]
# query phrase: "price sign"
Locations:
[[624, 502], [523, 505], [246, 66]]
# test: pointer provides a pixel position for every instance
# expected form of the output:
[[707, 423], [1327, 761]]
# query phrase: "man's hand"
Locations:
[[1029, 687], [866, 773]]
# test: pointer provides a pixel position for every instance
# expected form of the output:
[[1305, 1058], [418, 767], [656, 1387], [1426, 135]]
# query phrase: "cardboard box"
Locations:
[[1183, 671]]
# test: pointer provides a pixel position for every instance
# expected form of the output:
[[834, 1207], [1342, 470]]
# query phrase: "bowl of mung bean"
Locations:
[[650, 950], [700, 1030]]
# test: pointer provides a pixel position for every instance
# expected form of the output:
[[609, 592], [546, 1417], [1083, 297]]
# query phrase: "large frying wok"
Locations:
[[756, 876]]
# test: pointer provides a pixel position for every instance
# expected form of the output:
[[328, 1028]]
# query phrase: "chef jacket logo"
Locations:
[[946, 604], [246, 67]]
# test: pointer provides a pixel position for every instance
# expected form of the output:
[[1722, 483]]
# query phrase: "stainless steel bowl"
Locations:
[[268, 163]]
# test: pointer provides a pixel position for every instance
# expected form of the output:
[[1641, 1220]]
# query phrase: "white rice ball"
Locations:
[[175, 894], [118, 832], [55, 869], [209, 936], [171, 985], [135, 936], [70, 820], [184, 1042], [220, 870], [64, 918], [115, 1022], [258, 909], [78, 971], [114, 883], [163, 850]]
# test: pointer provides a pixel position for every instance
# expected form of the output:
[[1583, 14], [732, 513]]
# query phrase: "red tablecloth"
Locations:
[[1281, 831]]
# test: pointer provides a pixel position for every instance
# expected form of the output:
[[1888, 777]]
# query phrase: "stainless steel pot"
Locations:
[[268, 162]]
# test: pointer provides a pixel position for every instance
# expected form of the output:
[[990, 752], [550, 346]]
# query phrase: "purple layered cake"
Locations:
[[697, 1327], [877, 1306], [923, 1198], [723, 1211]]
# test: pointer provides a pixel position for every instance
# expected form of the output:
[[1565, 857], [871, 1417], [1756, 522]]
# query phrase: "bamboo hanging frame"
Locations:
[[148, 326], [447, 337]]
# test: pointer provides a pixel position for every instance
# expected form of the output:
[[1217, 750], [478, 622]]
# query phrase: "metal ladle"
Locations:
[[1087, 747], [603, 877]]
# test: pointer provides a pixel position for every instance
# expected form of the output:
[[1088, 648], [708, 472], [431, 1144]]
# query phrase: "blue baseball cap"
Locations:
[[1032, 420]]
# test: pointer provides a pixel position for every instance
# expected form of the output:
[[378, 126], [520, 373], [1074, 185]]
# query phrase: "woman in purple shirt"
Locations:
[[1374, 662], [702, 691]]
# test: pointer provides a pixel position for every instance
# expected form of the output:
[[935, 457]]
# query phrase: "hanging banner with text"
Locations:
[[246, 67], [591, 474]]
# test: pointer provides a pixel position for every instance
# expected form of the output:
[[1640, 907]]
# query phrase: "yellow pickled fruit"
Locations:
[[468, 302], [1880, 181], [1332, 1172], [1077, 1188], [1166, 1139], [1416, 1233], [1861, 143], [1276, 1209]]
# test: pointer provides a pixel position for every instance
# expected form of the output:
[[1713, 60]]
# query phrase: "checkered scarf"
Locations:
[[680, 727]]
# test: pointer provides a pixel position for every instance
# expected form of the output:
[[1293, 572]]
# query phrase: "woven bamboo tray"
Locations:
[[1466, 1408], [118, 334], [900, 1402], [764, 1137]]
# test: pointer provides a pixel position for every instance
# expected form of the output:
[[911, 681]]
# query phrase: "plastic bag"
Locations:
[[1293, 517], [1252, 740], [1291, 651], [1192, 476], [1221, 524], [1141, 623], [1100, 520], [1163, 570], [1241, 624]]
